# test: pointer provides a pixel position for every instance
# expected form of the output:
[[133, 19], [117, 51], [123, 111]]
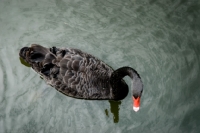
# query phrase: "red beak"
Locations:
[[136, 104]]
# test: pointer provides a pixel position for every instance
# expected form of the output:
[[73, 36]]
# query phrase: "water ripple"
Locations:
[[160, 39]]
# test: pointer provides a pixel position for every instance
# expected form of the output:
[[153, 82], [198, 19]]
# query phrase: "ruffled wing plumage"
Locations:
[[77, 74]]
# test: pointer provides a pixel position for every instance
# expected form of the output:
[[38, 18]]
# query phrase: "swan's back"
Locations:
[[71, 71], [82, 75]]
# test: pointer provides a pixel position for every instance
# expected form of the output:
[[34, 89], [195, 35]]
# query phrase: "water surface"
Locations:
[[159, 38]]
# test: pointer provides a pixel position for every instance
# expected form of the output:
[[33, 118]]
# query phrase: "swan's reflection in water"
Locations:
[[114, 109]]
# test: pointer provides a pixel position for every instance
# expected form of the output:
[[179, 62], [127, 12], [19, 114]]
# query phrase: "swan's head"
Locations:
[[137, 85], [137, 93], [37, 56]]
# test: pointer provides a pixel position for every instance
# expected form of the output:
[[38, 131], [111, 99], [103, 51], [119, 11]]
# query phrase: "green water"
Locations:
[[159, 38]]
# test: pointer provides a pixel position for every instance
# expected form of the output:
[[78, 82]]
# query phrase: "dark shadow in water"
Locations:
[[114, 109], [23, 62]]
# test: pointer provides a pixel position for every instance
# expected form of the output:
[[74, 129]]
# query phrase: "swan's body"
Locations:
[[80, 75]]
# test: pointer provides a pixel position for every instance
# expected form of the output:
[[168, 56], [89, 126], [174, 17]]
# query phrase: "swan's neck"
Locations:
[[125, 71], [118, 84]]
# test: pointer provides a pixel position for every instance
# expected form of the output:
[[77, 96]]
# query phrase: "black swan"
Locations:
[[81, 75]]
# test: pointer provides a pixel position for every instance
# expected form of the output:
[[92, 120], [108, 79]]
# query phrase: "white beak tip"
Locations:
[[136, 109]]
